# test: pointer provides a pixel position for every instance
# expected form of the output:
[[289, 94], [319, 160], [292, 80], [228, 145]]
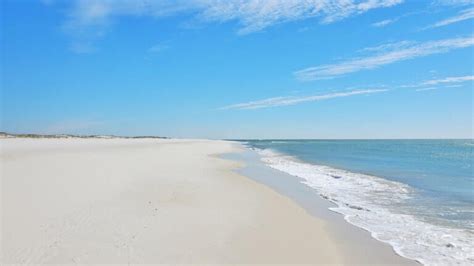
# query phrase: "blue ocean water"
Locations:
[[427, 184]]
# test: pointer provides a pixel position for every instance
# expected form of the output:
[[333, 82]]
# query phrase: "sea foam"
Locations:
[[370, 202]]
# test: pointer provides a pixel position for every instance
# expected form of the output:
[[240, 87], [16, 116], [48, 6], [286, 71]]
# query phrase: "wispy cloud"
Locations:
[[386, 56], [427, 89], [434, 84], [389, 21], [91, 18], [292, 100], [427, 85], [461, 16], [448, 80], [255, 15], [387, 47], [383, 23]]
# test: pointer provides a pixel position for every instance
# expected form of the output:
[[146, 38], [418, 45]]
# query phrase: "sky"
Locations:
[[325, 69]]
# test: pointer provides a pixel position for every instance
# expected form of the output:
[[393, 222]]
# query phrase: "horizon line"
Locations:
[[40, 135]]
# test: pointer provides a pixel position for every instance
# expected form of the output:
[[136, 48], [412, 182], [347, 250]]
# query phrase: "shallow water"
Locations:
[[416, 195]]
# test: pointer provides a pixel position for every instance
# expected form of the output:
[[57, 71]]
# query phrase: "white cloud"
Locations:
[[448, 80], [461, 16], [435, 84], [252, 15], [392, 54], [446, 83], [383, 23], [386, 22], [388, 46], [427, 89], [255, 15], [89, 20], [292, 100], [427, 85]]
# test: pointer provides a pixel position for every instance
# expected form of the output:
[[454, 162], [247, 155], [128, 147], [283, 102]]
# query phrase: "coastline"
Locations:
[[136, 201], [356, 244], [392, 212]]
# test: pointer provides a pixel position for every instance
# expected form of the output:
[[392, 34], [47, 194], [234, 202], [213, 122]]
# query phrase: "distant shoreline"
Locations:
[[63, 136], [98, 136]]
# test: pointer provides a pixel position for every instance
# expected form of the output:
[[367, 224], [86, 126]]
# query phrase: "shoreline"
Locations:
[[153, 201], [352, 239], [363, 201]]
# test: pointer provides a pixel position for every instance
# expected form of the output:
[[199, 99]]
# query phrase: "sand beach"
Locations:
[[154, 201]]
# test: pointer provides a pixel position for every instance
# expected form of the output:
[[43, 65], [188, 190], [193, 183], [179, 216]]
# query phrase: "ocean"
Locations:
[[417, 195]]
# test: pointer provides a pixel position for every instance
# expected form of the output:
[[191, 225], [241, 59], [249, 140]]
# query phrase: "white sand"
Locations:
[[124, 201]]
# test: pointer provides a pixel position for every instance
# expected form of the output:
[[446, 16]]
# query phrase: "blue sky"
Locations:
[[239, 69]]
